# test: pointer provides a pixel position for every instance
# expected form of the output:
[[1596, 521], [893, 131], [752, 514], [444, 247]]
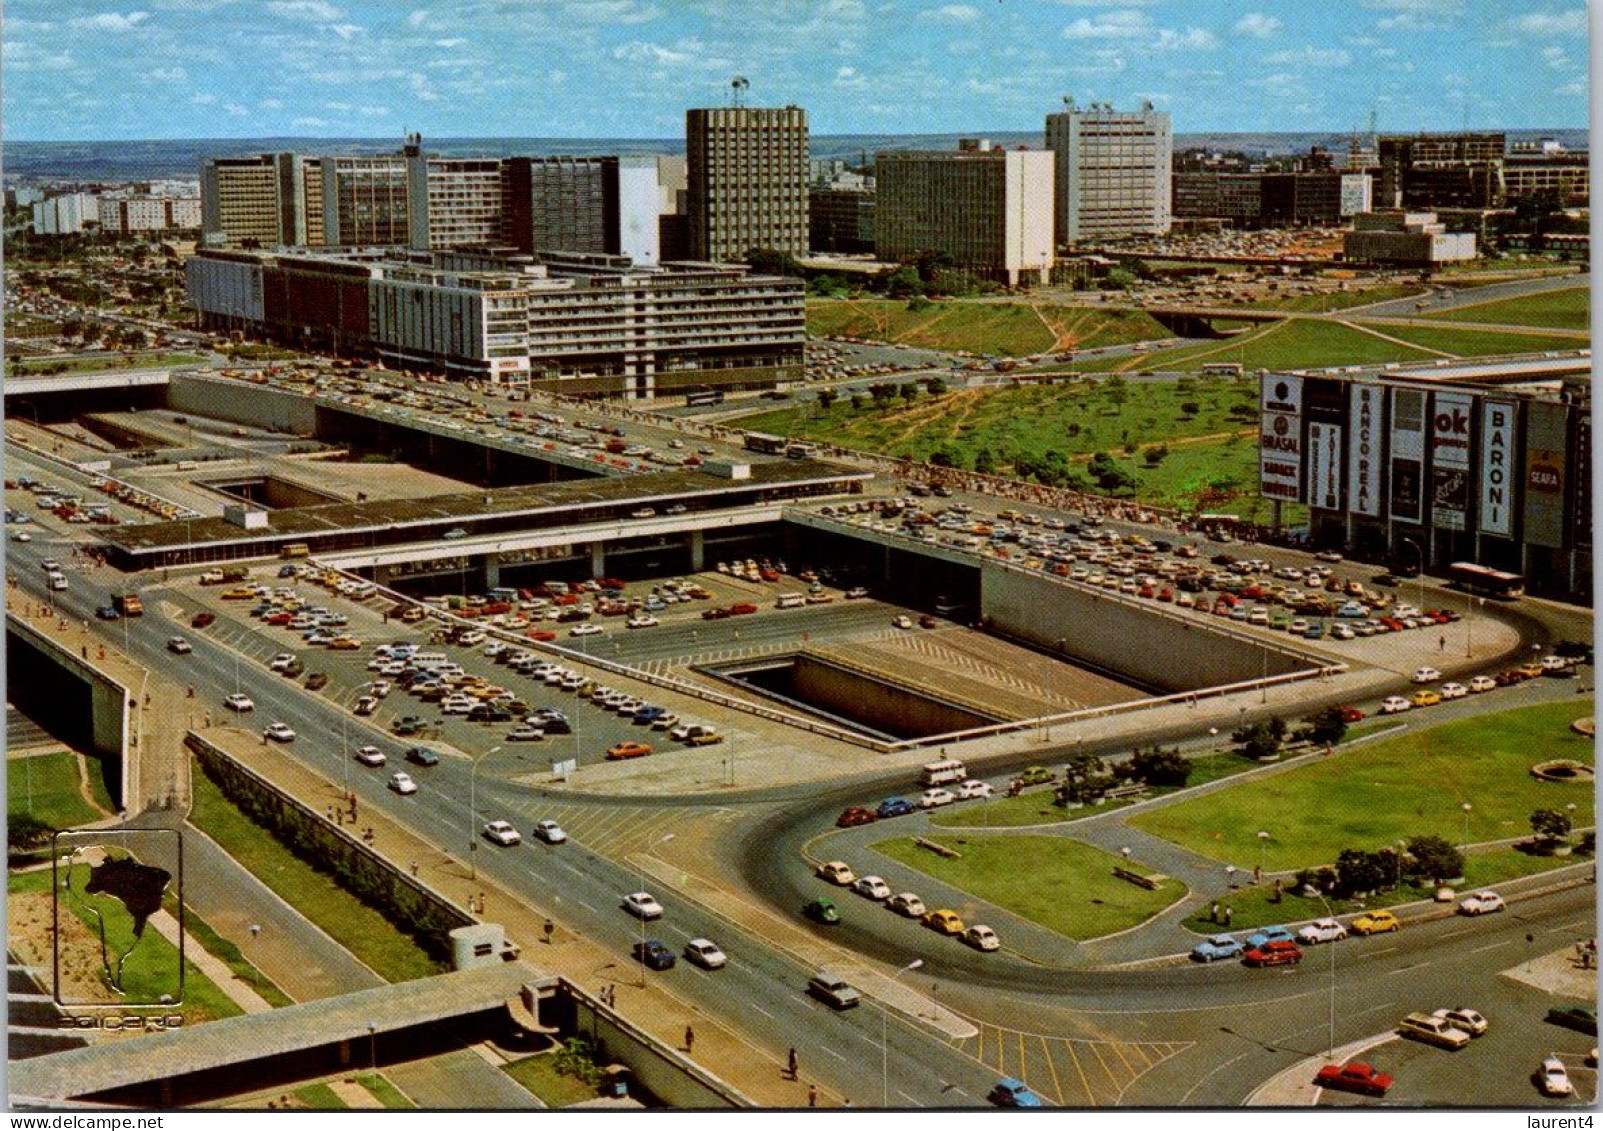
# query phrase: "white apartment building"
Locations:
[[1113, 171]]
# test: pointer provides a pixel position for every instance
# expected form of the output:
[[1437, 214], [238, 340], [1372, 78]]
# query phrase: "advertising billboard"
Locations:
[[1406, 474], [1497, 468], [1363, 451], [1280, 439], [1544, 474], [1449, 448], [1324, 466]]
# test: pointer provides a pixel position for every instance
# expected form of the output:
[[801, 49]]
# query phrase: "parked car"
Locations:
[[1469, 1020], [502, 833], [1429, 1029], [1481, 903], [1035, 775], [1482, 683], [1013, 1093], [1426, 698], [1375, 922], [1425, 675], [202, 620], [1581, 1018], [1454, 691], [642, 905], [1364, 1079], [653, 954], [1279, 953], [1552, 1078], [706, 954], [627, 750], [1216, 948]]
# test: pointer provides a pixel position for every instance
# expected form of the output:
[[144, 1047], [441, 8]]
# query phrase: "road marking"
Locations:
[[907, 1097], [1057, 1087], [835, 1054], [1079, 1071], [1494, 946], [1097, 1052], [763, 1011]]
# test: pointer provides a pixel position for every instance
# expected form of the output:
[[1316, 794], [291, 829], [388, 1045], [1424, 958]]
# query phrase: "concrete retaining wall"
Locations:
[[883, 706], [1164, 651], [256, 405], [673, 1079]]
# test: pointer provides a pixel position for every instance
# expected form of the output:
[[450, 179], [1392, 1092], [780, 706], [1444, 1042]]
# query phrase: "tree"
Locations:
[[1358, 872], [1157, 767], [1325, 727], [858, 401], [936, 386], [940, 458], [1155, 456], [826, 398], [1261, 740], [1190, 408], [25, 831], [1434, 858], [1550, 825], [985, 462], [766, 261], [903, 283], [908, 390]]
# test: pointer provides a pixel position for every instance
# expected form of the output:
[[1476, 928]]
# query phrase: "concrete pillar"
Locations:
[[492, 571], [698, 551], [598, 559]]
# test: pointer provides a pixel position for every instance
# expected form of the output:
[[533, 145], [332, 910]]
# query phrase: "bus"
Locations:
[[797, 449], [763, 442], [1486, 582], [704, 396], [294, 550]]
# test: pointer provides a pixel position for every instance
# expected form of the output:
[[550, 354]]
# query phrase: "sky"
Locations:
[[83, 70]]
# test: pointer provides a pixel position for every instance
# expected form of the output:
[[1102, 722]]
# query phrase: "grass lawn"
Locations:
[[1477, 343], [1568, 309], [46, 786], [1339, 300], [1255, 906], [1008, 329], [540, 1076], [96, 364], [319, 1097], [1296, 343], [1409, 785], [230, 955], [1063, 885], [361, 929], [385, 1092]]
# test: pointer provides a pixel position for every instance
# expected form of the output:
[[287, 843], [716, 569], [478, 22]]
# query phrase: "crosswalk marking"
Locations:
[[1014, 1052]]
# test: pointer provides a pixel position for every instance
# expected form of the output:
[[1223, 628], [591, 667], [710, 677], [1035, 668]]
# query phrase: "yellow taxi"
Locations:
[[345, 644], [1532, 670], [946, 922], [241, 593], [1376, 922], [1426, 698]]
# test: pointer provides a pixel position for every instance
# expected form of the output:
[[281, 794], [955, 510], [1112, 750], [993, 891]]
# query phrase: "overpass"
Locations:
[[18, 387]]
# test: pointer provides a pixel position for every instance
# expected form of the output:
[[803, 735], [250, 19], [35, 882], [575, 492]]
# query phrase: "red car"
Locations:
[[1365, 1079], [202, 620], [742, 609], [927, 621], [714, 614], [1278, 953], [854, 816], [635, 750], [279, 619], [1351, 715], [611, 583], [542, 634]]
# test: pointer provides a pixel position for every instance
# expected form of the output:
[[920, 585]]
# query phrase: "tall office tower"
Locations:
[[989, 209], [1463, 170], [1113, 171], [365, 201], [261, 201], [747, 182], [584, 204], [453, 202]]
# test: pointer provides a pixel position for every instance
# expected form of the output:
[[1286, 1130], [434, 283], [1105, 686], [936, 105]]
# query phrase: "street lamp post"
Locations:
[[1263, 840], [372, 1045], [884, 1038], [473, 808], [1467, 808], [640, 871]]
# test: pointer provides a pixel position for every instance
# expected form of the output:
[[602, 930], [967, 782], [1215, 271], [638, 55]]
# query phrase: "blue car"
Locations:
[[1216, 948], [654, 955], [287, 571], [895, 807], [1013, 1093], [649, 714], [1262, 938], [1354, 610]]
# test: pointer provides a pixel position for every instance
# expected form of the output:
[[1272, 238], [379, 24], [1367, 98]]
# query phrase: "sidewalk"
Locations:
[[753, 1070], [210, 965]]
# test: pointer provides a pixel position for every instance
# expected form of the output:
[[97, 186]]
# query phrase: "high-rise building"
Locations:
[[608, 205], [262, 201], [840, 219], [365, 201], [1463, 170], [989, 209], [1113, 171], [747, 181], [453, 201]]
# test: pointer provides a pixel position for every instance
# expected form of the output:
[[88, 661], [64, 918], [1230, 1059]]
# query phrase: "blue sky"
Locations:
[[628, 68]]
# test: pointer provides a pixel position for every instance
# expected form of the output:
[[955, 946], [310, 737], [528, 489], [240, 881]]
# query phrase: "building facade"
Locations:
[[1431, 470], [263, 201], [453, 201], [840, 219], [366, 201], [989, 209], [595, 324], [1405, 239], [746, 181], [132, 214], [1458, 170], [66, 215], [1113, 172]]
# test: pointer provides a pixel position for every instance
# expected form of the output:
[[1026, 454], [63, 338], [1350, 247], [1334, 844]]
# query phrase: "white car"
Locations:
[[1425, 675], [974, 788], [836, 872], [1394, 705], [1341, 632], [981, 937], [281, 661], [379, 688], [550, 832], [705, 953], [1481, 903], [366, 705], [935, 798], [906, 903], [403, 783], [370, 756], [856, 592], [178, 646], [642, 905], [22, 536], [1469, 1020], [502, 833], [1322, 931], [872, 887], [1482, 683], [1552, 1078], [1454, 691], [239, 702], [280, 732], [902, 622], [1556, 664], [645, 621], [585, 630]]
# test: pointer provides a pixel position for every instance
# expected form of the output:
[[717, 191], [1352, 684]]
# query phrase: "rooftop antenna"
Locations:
[[737, 91], [1068, 102]]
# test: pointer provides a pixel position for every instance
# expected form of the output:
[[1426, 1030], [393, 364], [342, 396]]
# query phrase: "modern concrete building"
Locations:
[[582, 324], [1113, 171], [365, 201], [262, 201], [1563, 175], [747, 181], [602, 205], [840, 219], [453, 201], [989, 209], [1405, 239], [1460, 170], [131, 214], [65, 215]]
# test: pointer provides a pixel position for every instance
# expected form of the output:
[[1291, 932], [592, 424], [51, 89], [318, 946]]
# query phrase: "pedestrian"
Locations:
[[414, 868], [1229, 916], [791, 1064], [1442, 643], [812, 1095], [690, 1038], [550, 929], [331, 812], [1213, 913]]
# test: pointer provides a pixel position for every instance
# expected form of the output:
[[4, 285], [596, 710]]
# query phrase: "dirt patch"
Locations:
[[29, 935]]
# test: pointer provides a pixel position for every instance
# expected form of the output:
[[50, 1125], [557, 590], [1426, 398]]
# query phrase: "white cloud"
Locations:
[[951, 14], [637, 51], [557, 78], [1310, 57], [1557, 58], [271, 104], [422, 91], [1573, 89], [347, 31], [613, 11], [235, 109], [449, 43], [204, 98], [111, 21], [311, 123], [1258, 25], [317, 11], [169, 74], [418, 18], [23, 56], [849, 78], [1192, 39], [1417, 7], [373, 111], [1572, 22], [1124, 24]]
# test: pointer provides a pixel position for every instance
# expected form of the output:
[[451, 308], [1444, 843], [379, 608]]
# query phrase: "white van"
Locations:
[[428, 661], [58, 581], [944, 773], [790, 601]]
